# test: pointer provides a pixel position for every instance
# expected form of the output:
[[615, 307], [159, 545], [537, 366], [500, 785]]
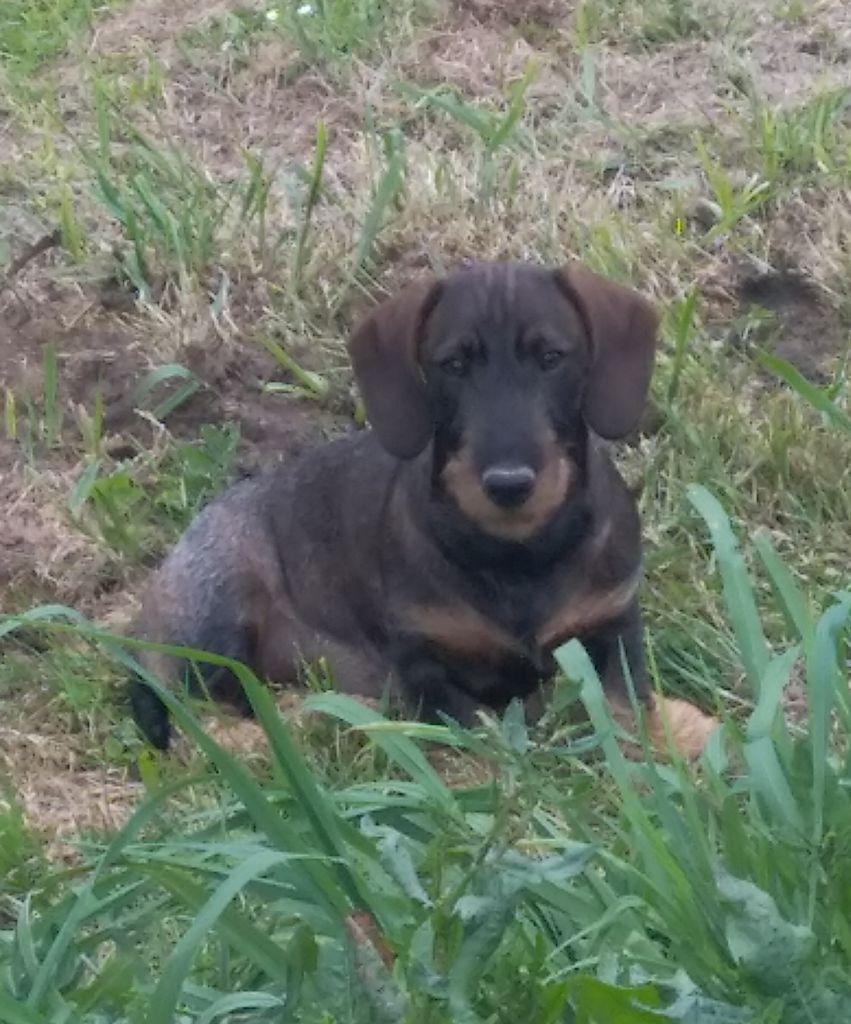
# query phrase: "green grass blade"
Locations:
[[166, 996], [817, 397], [240, 1003], [333, 833], [793, 602], [313, 192], [684, 327], [389, 187], [86, 903], [825, 680], [50, 389], [161, 375], [767, 774], [13, 1012], [767, 712], [401, 750], [516, 106], [481, 122], [738, 592]]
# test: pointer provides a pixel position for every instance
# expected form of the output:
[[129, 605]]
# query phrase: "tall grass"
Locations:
[[562, 890]]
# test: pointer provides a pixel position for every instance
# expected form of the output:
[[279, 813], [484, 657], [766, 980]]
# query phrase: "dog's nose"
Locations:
[[508, 485]]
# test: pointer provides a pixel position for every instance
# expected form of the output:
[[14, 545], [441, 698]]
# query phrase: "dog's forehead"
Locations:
[[520, 293]]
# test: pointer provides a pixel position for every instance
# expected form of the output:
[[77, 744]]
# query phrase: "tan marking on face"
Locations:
[[461, 630], [670, 722], [585, 610], [517, 524]]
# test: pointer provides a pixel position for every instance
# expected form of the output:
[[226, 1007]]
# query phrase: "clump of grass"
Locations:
[[33, 33], [805, 143], [135, 508], [332, 30], [494, 130], [734, 201], [650, 24], [164, 204], [22, 864], [36, 421]]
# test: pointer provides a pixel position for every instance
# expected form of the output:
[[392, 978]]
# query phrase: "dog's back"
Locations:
[[278, 571]]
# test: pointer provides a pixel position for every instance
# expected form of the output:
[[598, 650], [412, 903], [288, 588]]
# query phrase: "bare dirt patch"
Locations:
[[808, 332], [220, 112], [783, 306], [43, 555], [520, 13]]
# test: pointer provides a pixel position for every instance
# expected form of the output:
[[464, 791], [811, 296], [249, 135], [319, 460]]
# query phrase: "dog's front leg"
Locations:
[[617, 651], [427, 684], [618, 655]]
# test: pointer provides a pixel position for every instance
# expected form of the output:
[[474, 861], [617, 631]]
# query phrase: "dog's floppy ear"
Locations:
[[385, 356], [622, 327]]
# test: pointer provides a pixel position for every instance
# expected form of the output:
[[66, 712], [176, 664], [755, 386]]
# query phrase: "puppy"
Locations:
[[448, 551]]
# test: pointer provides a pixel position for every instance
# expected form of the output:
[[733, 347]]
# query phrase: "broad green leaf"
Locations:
[[395, 853], [738, 592], [772, 950], [793, 603], [473, 957], [826, 683], [598, 1003]]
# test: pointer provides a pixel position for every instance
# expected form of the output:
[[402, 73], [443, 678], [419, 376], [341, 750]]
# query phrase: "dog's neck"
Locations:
[[469, 546]]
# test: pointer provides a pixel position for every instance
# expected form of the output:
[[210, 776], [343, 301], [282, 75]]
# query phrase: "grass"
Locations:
[[33, 33], [400, 899], [229, 192]]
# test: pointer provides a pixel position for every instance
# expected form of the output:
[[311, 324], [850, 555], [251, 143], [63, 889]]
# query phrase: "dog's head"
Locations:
[[502, 366]]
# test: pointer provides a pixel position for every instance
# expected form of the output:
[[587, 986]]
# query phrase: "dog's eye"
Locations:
[[455, 367], [550, 358]]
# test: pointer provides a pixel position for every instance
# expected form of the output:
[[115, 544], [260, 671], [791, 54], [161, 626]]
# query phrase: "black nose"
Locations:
[[508, 485]]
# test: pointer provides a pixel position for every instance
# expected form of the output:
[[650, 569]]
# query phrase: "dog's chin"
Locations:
[[521, 522]]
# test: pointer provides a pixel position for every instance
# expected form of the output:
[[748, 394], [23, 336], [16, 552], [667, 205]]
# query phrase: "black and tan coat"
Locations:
[[450, 549]]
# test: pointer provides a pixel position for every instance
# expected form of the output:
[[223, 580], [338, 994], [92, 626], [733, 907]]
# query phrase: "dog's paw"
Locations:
[[677, 722]]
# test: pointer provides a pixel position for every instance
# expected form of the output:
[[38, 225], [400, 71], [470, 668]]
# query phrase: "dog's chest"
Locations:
[[541, 614], [498, 619]]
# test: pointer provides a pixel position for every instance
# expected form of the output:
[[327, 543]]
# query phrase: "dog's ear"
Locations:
[[622, 327], [385, 356]]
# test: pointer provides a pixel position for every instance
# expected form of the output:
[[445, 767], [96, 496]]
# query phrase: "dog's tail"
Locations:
[[150, 714], [199, 680]]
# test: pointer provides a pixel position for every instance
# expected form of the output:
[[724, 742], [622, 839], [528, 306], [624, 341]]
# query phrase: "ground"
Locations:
[[209, 194]]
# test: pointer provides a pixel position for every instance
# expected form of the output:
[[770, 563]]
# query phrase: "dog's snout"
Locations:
[[508, 485]]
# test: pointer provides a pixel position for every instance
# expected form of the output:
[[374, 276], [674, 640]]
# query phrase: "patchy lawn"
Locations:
[[197, 201]]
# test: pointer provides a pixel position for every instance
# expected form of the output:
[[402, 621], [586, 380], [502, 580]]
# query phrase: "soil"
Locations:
[[99, 350], [806, 330]]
